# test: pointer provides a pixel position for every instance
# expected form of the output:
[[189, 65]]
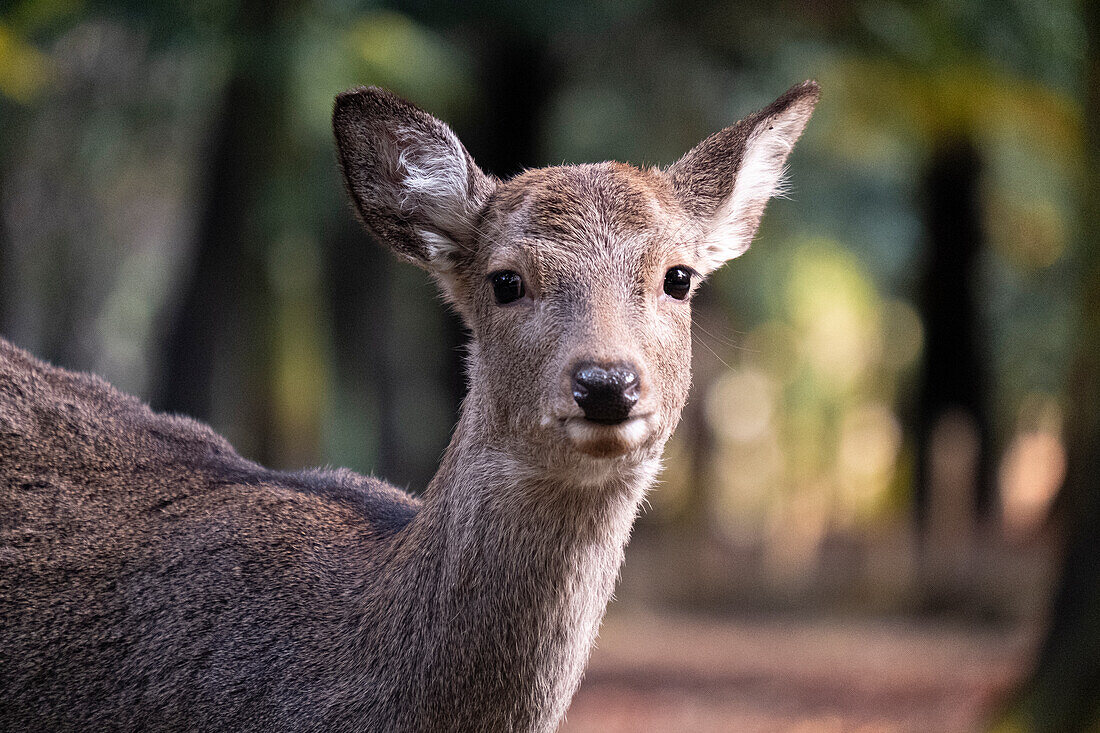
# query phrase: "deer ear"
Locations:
[[414, 185], [726, 180]]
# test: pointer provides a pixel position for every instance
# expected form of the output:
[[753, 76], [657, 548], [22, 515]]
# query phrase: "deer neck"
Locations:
[[522, 563]]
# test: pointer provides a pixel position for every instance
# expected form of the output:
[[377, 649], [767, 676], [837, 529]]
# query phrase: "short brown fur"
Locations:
[[152, 579]]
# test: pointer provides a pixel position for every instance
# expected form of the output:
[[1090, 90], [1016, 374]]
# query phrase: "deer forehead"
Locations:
[[605, 218]]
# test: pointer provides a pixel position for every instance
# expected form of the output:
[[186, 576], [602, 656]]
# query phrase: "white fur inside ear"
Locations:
[[434, 184], [439, 249], [760, 176]]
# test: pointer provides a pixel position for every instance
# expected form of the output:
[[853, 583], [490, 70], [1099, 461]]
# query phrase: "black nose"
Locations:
[[606, 393]]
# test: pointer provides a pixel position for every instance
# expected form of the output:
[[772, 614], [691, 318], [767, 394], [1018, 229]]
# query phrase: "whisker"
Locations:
[[724, 341], [719, 339], [708, 348]]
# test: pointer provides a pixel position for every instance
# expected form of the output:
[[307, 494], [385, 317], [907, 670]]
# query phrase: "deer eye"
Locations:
[[678, 282], [507, 286]]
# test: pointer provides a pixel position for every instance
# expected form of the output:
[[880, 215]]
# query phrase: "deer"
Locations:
[[153, 579]]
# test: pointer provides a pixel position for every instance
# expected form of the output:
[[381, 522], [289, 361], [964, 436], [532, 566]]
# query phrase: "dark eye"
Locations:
[[678, 282], [507, 286]]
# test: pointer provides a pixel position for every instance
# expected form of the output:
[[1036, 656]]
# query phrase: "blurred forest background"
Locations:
[[892, 443]]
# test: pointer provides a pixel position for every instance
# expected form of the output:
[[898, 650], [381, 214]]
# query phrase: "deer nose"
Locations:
[[606, 393]]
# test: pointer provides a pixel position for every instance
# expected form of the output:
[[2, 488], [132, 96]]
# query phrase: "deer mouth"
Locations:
[[606, 438]]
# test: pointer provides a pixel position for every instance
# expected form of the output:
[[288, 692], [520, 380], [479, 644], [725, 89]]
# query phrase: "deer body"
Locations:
[[152, 579], [223, 595]]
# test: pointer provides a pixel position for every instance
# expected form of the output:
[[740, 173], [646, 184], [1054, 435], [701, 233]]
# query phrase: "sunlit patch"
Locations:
[[870, 438], [741, 404], [804, 444], [835, 309], [1033, 467], [24, 70]]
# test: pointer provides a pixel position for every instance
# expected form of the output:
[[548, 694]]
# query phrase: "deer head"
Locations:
[[575, 281]]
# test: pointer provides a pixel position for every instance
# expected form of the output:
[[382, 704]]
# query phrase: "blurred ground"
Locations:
[[682, 673]]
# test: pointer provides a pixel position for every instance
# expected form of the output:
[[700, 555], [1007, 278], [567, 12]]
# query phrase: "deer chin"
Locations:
[[607, 441]]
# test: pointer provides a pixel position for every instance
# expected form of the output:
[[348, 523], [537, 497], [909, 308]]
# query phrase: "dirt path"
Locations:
[[666, 673]]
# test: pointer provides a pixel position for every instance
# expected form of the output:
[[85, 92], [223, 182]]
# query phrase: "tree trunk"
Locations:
[[1063, 692], [217, 361], [952, 491]]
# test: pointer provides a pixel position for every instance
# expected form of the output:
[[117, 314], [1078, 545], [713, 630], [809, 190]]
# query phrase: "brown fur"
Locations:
[[705, 176], [152, 579]]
